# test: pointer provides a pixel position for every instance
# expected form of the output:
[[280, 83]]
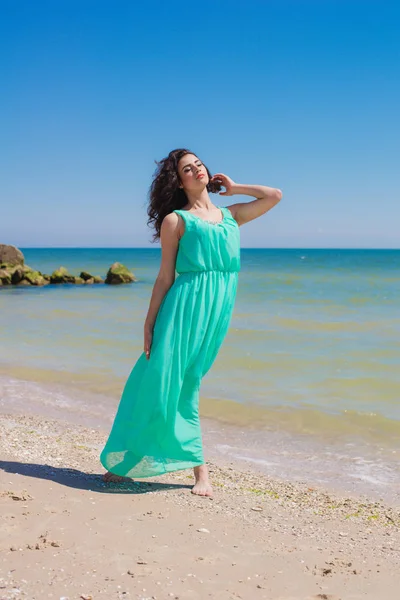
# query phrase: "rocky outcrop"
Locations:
[[61, 275], [85, 275], [21, 275], [17, 275], [11, 256], [13, 271], [118, 273], [5, 277], [88, 278], [35, 278]]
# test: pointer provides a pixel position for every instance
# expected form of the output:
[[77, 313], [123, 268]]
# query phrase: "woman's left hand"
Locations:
[[226, 181]]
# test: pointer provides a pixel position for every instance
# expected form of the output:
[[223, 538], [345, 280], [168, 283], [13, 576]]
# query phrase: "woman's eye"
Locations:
[[197, 165]]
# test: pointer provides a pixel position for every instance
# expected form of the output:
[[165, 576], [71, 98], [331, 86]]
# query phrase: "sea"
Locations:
[[306, 386]]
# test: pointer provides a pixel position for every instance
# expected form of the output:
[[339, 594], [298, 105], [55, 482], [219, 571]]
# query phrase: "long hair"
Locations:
[[165, 195]]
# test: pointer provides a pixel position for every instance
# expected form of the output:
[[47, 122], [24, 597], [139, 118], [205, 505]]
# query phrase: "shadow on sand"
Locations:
[[85, 481]]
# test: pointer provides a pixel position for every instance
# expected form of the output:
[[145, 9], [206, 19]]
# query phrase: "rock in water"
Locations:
[[85, 275], [10, 255], [5, 277], [61, 275], [17, 275], [58, 275], [118, 273], [35, 278], [88, 278]]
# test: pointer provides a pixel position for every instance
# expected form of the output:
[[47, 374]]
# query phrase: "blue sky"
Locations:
[[301, 95]]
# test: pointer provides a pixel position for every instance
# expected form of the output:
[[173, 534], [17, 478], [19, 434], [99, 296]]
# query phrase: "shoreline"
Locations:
[[151, 539], [358, 470], [339, 466]]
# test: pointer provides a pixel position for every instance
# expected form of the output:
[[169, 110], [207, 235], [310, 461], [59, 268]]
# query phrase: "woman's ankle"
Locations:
[[201, 473]]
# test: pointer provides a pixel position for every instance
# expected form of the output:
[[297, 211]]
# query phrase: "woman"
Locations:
[[157, 429]]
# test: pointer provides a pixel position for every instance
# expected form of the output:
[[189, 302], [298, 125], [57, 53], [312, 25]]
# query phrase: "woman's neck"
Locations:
[[200, 202]]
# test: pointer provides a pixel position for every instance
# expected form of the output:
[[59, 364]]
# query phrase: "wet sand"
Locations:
[[66, 534], [341, 464]]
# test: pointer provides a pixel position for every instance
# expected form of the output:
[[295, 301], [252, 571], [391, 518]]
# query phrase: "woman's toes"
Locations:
[[202, 488]]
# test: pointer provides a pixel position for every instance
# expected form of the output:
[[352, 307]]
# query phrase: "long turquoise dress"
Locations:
[[157, 427]]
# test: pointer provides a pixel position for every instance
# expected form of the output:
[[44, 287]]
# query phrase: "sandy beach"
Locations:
[[67, 535], [200, 263]]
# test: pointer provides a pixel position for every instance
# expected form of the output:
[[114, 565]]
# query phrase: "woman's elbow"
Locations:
[[165, 280]]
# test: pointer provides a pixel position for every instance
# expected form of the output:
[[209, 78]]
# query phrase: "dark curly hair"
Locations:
[[165, 195]]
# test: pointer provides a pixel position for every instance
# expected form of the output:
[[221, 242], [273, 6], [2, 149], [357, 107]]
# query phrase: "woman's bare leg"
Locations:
[[202, 486]]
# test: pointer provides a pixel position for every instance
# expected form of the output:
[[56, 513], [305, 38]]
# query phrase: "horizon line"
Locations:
[[242, 248]]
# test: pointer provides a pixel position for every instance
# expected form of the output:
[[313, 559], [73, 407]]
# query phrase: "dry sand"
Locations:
[[67, 535]]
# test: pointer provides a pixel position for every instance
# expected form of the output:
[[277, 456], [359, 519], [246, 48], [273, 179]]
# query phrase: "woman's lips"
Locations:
[[201, 175]]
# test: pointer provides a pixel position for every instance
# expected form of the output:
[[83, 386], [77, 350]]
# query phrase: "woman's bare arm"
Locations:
[[169, 238], [266, 198], [243, 212]]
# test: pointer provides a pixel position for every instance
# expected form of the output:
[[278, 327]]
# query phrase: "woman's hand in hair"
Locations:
[[227, 182]]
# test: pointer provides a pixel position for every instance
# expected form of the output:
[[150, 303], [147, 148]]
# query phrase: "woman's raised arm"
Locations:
[[243, 212]]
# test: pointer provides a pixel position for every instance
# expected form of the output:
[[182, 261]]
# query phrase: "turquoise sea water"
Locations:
[[313, 348]]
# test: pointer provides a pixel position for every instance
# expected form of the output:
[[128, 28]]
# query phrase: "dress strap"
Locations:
[[186, 219], [227, 213], [181, 213], [187, 215]]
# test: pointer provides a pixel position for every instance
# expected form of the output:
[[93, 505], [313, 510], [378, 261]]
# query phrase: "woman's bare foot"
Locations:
[[202, 487], [112, 478]]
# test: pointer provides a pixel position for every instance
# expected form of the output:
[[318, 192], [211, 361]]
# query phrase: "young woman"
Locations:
[[157, 428]]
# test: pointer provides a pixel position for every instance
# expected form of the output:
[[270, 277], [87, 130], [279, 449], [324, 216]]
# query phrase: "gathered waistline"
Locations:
[[206, 271]]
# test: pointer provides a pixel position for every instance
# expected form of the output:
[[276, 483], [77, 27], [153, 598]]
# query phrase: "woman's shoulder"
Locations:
[[181, 212], [170, 220]]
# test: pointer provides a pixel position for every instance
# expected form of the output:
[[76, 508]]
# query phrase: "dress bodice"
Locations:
[[208, 246]]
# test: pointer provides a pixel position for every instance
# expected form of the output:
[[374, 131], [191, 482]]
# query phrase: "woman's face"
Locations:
[[192, 173]]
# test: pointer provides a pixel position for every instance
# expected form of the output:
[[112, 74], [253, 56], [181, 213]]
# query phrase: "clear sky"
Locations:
[[300, 95]]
